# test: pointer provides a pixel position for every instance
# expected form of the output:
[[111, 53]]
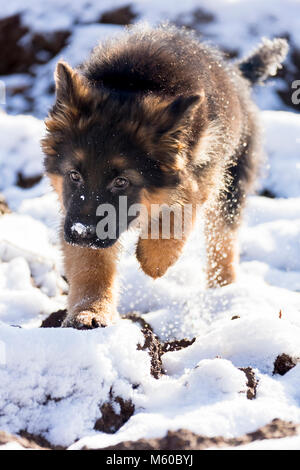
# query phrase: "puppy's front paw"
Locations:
[[157, 256], [87, 320]]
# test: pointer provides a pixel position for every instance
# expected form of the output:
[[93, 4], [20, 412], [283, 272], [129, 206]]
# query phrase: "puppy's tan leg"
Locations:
[[156, 256], [92, 294], [222, 250]]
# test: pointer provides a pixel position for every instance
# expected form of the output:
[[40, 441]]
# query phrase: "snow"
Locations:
[[286, 443], [53, 381], [204, 390], [79, 228], [13, 446], [27, 132], [288, 185], [237, 26]]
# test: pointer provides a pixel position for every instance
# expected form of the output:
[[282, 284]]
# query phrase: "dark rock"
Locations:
[[283, 363]]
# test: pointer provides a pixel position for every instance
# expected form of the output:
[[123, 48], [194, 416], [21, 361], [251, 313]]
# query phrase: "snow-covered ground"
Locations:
[[53, 381], [235, 25], [203, 390]]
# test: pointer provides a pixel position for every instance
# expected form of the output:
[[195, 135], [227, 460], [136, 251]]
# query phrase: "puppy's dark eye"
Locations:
[[120, 182], [75, 176]]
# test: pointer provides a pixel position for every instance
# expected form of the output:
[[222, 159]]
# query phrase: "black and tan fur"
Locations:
[[168, 113]]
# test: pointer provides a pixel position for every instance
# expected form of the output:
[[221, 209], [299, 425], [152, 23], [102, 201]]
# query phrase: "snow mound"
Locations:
[[55, 381]]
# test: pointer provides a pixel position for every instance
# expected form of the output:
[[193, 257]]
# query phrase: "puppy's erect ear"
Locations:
[[64, 81], [69, 83], [173, 115]]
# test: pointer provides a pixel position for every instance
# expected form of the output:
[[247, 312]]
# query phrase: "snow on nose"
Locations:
[[83, 231]]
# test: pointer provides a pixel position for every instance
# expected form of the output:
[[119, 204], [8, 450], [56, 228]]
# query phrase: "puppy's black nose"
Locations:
[[83, 232]]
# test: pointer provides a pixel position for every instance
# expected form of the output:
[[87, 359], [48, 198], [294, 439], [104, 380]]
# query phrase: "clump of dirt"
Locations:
[[274, 430], [267, 193], [26, 182], [4, 209], [18, 55], [54, 320], [121, 16], [114, 413], [174, 440], [187, 440], [26, 442], [177, 344], [283, 363], [196, 19], [50, 398], [201, 16], [136, 318], [39, 441], [252, 382], [50, 43], [153, 346], [21, 50], [11, 31]]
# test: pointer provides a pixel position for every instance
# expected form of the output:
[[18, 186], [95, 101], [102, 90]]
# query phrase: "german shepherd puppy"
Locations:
[[159, 118]]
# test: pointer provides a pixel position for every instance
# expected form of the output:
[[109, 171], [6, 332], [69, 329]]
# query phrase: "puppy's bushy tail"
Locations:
[[265, 60]]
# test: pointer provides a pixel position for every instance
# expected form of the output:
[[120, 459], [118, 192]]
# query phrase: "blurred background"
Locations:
[[35, 34]]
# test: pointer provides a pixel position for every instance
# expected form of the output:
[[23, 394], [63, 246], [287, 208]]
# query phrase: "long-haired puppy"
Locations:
[[155, 119]]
